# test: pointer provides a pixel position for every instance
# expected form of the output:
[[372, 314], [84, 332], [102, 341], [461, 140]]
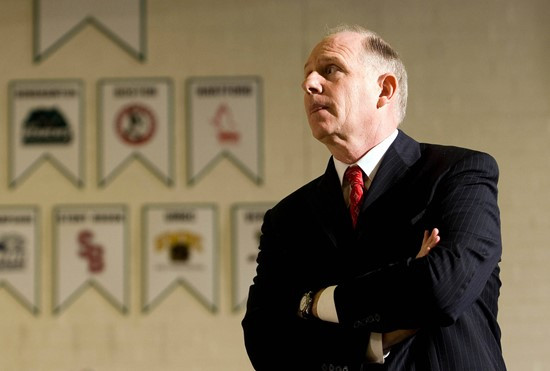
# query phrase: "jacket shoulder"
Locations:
[[451, 154]]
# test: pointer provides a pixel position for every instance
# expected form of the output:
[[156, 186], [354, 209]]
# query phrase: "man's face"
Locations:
[[340, 93]]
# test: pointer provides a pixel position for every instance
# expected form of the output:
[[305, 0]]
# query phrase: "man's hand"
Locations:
[[389, 339], [429, 241]]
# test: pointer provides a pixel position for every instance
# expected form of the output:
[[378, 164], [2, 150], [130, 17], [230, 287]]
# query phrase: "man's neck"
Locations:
[[350, 152]]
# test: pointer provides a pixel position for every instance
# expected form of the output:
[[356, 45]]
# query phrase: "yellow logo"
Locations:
[[179, 244]]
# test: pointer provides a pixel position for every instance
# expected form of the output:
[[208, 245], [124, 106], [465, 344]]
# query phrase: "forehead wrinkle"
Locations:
[[332, 50]]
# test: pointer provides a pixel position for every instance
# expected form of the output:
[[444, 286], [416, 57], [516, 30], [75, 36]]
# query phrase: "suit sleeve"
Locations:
[[275, 337], [437, 289]]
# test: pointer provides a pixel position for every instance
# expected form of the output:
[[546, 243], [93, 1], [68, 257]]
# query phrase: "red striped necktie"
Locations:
[[354, 175]]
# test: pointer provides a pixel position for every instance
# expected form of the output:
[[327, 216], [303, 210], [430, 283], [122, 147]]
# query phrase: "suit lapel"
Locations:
[[327, 201], [396, 162]]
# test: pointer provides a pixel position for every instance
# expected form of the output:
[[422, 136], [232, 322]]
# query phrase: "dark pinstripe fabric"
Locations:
[[451, 295]]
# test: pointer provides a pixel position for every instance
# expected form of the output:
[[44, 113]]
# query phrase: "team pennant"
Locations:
[[56, 21], [180, 248], [19, 250], [90, 250], [135, 123], [246, 223], [224, 121], [46, 125]]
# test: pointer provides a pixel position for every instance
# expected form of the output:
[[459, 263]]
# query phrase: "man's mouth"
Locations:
[[317, 107]]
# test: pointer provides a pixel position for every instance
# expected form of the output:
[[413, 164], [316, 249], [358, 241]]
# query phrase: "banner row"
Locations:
[[135, 121], [91, 248]]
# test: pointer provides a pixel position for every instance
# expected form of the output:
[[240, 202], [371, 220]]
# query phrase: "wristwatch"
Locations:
[[306, 306]]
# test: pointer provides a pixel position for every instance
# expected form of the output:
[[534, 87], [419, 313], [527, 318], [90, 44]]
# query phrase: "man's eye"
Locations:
[[330, 69]]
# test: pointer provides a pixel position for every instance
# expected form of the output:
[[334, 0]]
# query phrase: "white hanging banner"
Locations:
[[90, 249], [246, 223], [19, 249], [46, 124], [180, 248], [135, 122], [57, 20], [224, 120]]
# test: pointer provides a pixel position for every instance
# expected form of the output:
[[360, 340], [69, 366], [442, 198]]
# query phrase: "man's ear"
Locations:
[[388, 83]]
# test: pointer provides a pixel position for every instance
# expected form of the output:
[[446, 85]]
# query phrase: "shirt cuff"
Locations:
[[326, 309], [375, 350]]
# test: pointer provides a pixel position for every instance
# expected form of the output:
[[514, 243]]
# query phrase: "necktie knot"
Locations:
[[354, 175]]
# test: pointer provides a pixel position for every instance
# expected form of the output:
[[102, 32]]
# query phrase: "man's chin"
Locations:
[[320, 134], [317, 130]]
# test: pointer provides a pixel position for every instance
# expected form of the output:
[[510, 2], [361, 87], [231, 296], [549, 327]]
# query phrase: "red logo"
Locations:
[[135, 124], [91, 252], [225, 125]]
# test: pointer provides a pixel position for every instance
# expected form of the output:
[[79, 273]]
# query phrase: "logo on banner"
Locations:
[[46, 126], [180, 246], [91, 252], [225, 125], [12, 252], [135, 124]]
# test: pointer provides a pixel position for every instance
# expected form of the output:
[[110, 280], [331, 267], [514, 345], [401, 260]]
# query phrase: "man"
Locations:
[[329, 295]]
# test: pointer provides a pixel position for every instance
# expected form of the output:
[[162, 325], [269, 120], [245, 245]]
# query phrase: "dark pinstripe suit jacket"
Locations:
[[451, 295]]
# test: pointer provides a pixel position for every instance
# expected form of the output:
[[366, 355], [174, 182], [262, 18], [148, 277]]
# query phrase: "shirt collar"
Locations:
[[370, 162]]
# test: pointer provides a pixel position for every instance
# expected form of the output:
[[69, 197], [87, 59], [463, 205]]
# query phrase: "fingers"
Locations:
[[434, 237], [389, 339], [430, 240], [426, 236]]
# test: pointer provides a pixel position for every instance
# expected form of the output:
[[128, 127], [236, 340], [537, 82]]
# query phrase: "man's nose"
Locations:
[[312, 84]]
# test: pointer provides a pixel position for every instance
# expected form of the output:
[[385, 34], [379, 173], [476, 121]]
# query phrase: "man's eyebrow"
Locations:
[[323, 60]]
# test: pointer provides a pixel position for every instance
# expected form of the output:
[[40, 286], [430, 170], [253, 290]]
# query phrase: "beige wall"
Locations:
[[479, 78]]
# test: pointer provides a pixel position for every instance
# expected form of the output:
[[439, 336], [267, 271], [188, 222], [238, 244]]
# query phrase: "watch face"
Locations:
[[304, 303]]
